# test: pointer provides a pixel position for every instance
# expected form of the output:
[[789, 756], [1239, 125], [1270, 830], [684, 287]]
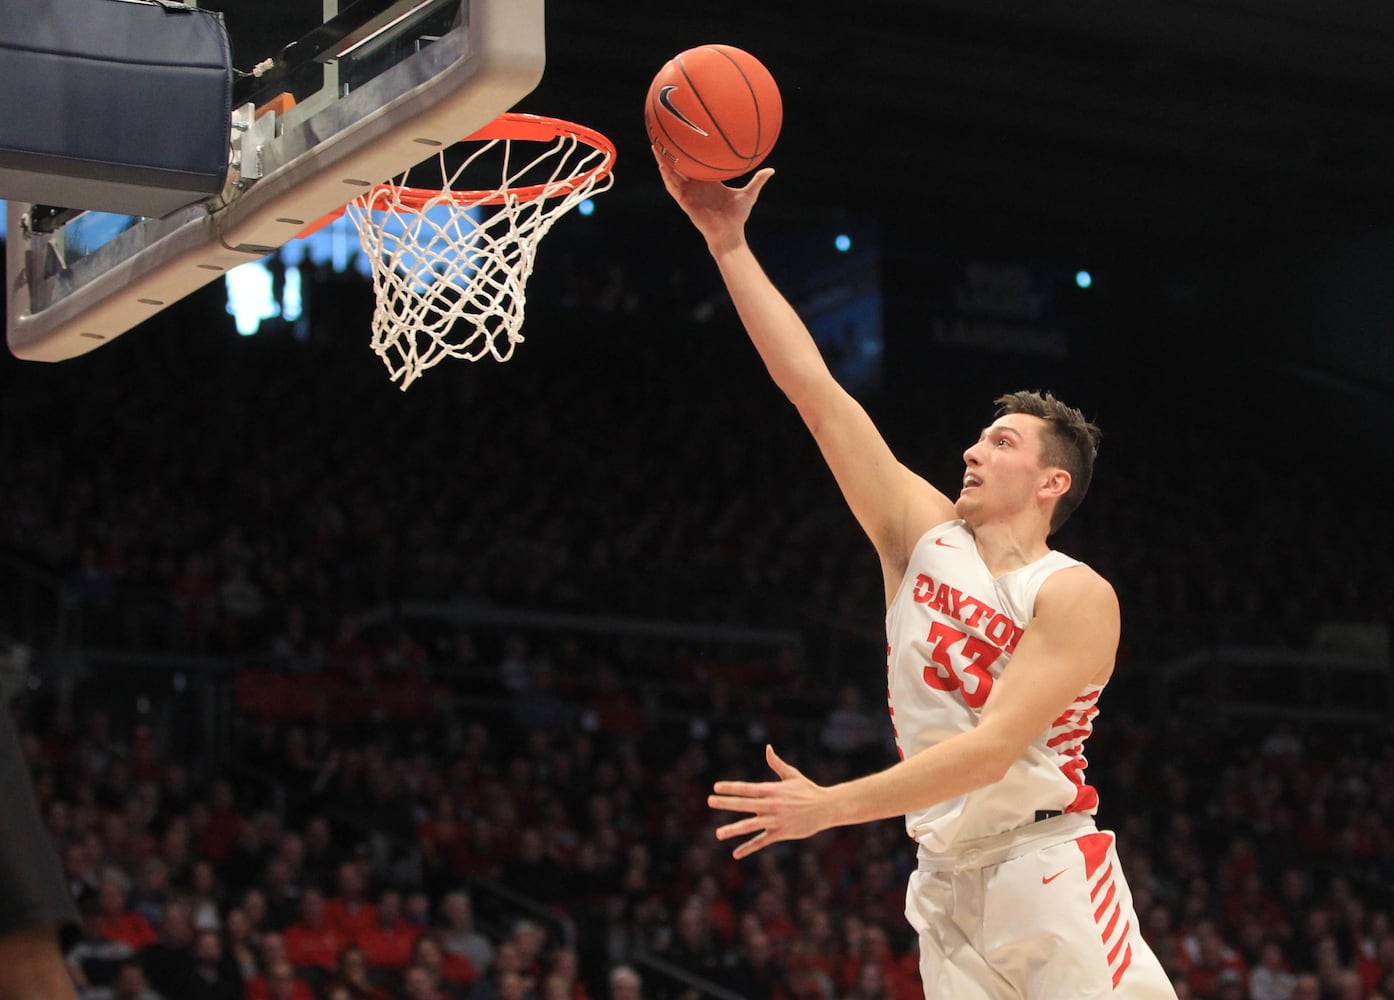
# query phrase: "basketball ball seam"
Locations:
[[716, 123], [725, 53]]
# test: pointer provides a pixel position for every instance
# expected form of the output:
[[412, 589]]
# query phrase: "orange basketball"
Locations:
[[713, 112]]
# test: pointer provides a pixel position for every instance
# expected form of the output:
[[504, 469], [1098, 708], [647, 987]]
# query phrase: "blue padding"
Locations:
[[113, 106]]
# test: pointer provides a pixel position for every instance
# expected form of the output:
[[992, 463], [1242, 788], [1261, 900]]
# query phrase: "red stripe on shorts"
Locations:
[[1094, 847], [1123, 966]]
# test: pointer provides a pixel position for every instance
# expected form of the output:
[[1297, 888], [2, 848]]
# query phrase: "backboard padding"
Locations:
[[59, 308]]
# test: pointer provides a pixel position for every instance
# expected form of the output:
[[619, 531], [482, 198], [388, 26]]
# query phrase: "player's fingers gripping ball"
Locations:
[[713, 112]]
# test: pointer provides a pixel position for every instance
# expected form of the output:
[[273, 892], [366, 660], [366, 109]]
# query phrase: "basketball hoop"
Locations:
[[450, 268]]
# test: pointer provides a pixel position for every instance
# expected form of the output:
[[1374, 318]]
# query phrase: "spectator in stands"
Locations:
[[418, 984], [529, 942], [216, 975], [1271, 978], [289, 848], [349, 910], [754, 971], [116, 920], [93, 959], [1307, 987], [224, 823], [79, 869], [353, 975], [240, 943], [205, 896], [442, 838], [459, 937], [416, 908], [271, 948], [129, 984], [151, 890], [321, 857], [169, 961], [849, 730], [282, 983], [259, 915], [508, 975], [1206, 955], [534, 871], [564, 971], [625, 984], [247, 859], [387, 942], [281, 896], [312, 943], [450, 977], [871, 984], [694, 946]]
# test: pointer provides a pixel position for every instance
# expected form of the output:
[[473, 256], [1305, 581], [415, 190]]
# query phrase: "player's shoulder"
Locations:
[[1078, 585]]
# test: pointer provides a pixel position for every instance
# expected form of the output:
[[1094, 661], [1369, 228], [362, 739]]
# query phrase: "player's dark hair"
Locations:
[[1070, 442]]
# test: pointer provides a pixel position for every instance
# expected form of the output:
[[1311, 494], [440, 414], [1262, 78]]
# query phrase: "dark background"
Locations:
[[1221, 168]]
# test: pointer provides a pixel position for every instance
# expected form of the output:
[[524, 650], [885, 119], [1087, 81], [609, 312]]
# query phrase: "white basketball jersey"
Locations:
[[950, 631]]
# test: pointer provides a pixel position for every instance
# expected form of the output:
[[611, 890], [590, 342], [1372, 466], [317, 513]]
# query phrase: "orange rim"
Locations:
[[532, 128], [509, 125]]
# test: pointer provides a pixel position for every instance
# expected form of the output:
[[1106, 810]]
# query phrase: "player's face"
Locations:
[[1002, 470]]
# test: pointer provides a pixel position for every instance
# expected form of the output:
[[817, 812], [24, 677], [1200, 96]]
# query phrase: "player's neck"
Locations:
[[1006, 545]]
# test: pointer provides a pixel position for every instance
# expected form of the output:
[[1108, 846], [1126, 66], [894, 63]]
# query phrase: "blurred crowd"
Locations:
[[633, 469], [492, 853], [408, 810]]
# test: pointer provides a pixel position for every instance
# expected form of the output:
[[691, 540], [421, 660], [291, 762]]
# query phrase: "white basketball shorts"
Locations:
[[1039, 913]]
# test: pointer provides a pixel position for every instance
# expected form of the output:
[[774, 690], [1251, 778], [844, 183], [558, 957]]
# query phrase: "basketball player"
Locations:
[[997, 650], [34, 902]]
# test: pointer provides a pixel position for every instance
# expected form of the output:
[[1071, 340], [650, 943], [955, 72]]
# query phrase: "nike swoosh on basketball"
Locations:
[[1052, 878], [666, 100], [940, 541]]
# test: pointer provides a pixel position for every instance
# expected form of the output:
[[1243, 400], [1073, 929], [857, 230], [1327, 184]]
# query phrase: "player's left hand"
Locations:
[[788, 809]]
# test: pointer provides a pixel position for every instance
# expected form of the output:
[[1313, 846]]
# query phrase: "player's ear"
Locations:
[[1056, 483]]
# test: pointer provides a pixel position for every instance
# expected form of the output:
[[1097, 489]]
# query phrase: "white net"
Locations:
[[450, 268]]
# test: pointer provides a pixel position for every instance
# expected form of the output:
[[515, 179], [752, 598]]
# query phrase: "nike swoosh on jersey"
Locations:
[[1047, 880], [940, 541], [665, 98]]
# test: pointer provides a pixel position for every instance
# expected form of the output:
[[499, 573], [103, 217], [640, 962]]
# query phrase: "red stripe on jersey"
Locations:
[[1069, 737], [1094, 847], [1085, 799], [1076, 716]]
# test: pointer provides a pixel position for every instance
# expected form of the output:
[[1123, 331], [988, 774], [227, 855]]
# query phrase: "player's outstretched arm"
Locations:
[[893, 505], [1070, 643]]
